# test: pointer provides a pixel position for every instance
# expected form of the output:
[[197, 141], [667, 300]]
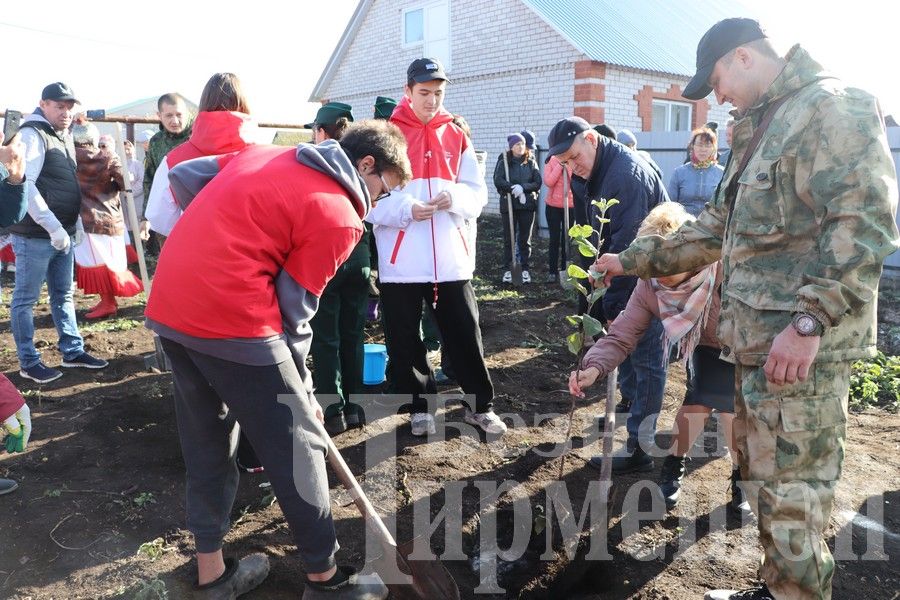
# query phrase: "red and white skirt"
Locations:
[[102, 266]]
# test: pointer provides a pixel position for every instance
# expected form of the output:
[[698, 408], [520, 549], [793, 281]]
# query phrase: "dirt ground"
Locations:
[[99, 512]]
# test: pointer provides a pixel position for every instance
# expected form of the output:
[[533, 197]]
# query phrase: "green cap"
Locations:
[[329, 113], [384, 107]]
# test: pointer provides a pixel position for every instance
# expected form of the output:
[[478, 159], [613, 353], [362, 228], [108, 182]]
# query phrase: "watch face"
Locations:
[[806, 324]]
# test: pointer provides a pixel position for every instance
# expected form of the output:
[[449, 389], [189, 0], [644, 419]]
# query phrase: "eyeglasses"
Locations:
[[103, 146], [386, 190]]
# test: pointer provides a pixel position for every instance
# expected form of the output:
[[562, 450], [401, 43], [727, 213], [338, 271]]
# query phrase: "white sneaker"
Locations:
[[526, 277], [488, 421], [422, 424], [507, 277]]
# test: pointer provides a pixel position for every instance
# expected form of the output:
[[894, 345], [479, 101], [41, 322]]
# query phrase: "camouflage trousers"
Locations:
[[790, 442]]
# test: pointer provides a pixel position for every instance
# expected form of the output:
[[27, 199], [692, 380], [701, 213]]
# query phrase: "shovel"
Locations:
[[425, 579], [609, 426], [565, 247], [516, 267]]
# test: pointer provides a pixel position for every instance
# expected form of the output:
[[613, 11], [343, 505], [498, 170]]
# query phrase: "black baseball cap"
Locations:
[[564, 133], [58, 91], [722, 38], [426, 69]]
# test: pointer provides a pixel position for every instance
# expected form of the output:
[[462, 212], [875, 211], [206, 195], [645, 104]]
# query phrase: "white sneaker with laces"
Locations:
[[422, 424], [488, 421], [507, 277], [526, 277]]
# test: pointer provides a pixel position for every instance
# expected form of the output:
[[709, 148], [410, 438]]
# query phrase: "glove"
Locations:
[[19, 428], [522, 198], [517, 190], [79, 232], [59, 239]]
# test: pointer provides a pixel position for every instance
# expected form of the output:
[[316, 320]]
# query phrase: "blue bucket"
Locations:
[[374, 364]]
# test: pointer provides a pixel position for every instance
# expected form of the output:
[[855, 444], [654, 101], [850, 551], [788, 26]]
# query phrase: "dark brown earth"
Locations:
[[103, 476]]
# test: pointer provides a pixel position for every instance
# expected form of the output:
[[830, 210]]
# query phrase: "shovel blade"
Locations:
[[517, 275], [418, 579]]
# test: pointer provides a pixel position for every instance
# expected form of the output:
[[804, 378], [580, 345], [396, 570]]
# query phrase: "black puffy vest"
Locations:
[[57, 183]]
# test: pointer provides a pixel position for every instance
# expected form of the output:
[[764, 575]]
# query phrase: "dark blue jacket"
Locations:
[[618, 173]]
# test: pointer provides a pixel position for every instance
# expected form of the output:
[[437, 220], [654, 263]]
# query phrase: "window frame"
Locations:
[[669, 104]]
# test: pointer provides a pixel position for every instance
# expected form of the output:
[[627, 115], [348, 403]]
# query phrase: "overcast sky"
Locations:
[[112, 53]]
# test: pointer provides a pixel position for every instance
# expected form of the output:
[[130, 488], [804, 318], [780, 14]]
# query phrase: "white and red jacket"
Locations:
[[443, 247], [214, 133]]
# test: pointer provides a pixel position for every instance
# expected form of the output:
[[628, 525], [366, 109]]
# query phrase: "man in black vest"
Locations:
[[42, 240]]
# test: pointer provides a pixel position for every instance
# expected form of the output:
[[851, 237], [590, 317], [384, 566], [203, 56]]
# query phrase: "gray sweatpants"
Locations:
[[277, 416]]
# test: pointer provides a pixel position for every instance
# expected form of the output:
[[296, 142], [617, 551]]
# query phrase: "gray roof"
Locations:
[[653, 35]]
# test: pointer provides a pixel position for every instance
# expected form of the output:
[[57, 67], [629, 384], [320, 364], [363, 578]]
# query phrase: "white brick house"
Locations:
[[525, 64]]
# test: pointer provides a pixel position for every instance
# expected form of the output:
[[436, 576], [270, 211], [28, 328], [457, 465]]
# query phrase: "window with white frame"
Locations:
[[428, 26], [671, 116]]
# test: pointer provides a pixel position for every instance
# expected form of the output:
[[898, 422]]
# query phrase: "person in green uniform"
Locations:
[[337, 344]]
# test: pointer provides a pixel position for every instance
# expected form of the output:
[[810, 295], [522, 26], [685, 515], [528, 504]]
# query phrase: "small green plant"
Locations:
[[587, 325], [875, 383], [155, 589], [110, 325], [154, 549], [143, 499]]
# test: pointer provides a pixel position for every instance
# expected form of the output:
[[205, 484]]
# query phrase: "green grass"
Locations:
[[121, 324]]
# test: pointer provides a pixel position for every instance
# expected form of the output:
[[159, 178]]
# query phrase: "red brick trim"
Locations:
[[590, 69], [591, 114], [585, 92], [647, 95]]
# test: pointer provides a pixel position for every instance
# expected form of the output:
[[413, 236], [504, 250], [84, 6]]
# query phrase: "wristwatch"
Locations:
[[807, 325]]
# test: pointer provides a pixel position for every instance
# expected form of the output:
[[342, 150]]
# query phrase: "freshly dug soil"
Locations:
[[100, 508]]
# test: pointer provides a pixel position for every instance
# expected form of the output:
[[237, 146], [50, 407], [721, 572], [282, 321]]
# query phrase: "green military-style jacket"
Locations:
[[161, 144], [812, 221]]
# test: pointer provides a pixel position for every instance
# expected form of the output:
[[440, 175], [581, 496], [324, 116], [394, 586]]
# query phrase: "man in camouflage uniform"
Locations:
[[802, 238], [174, 129]]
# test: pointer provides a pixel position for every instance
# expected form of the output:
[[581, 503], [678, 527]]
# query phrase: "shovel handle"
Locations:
[[359, 496], [609, 425]]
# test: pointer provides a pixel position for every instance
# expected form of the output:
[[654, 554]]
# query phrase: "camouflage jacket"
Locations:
[[812, 221], [160, 145]]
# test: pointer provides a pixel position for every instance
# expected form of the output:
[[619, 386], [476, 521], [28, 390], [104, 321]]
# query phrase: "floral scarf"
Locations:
[[684, 310]]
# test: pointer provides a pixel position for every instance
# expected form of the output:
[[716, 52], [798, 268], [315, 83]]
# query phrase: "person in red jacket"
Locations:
[[236, 285], [426, 251], [223, 125], [556, 253]]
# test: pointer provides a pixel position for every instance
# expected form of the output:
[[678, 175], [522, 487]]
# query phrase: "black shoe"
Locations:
[[7, 486], [624, 406], [738, 502], [630, 458], [336, 424], [670, 477], [239, 578], [40, 373], [758, 593], [354, 416], [85, 361]]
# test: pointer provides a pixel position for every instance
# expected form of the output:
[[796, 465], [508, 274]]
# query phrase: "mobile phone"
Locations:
[[96, 114], [11, 123]]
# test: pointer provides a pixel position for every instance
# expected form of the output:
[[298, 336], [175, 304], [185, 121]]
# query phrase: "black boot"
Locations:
[[670, 477], [738, 502], [631, 458], [623, 406]]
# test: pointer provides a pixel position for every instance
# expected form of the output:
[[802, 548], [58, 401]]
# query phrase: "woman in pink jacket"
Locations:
[[553, 179], [688, 305]]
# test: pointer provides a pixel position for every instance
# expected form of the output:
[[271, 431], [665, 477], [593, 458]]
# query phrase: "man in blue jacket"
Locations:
[[604, 168]]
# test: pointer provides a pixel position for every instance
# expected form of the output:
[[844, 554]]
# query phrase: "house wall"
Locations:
[[510, 71]]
